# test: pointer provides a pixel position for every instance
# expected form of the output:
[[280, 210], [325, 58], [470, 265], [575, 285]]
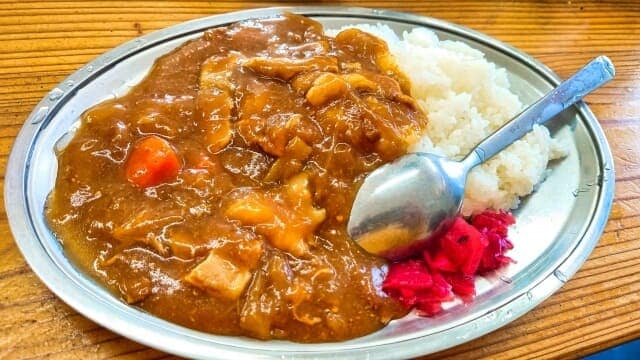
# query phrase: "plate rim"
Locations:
[[42, 264]]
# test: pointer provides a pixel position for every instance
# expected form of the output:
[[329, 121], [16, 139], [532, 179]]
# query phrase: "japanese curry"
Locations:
[[215, 194]]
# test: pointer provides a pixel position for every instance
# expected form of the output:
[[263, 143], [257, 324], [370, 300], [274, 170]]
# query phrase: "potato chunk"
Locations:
[[285, 217], [219, 277]]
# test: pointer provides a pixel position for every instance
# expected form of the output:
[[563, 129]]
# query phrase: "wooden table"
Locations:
[[42, 42]]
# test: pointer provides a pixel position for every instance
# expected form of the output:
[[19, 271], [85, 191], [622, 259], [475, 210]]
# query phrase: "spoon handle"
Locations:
[[593, 75]]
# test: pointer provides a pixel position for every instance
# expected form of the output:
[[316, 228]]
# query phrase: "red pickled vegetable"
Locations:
[[494, 226], [411, 283], [462, 285], [412, 274], [429, 308], [464, 245], [439, 262], [441, 289], [406, 280], [152, 161], [449, 265], [498, 222]]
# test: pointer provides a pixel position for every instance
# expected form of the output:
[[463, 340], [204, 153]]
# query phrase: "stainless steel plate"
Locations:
[[557, 227]]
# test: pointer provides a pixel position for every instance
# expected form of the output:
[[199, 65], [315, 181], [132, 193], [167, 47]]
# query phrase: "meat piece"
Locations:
[[272, 133], [183, 244], [364, 46], [286, 68], [258, 310], [220, 277], [248, 252], [194, 240], [163, 116], [242, 162], [369, 48], [306, 50], [394, 138], [136, 285], [389, 88], [269, 299], [147, 228], [285, 217], [269, 116], [135, 289], [300, 294], [321, 88], [359, 82], [133, 268], [326, 87], [263, 306], [154, 122], [303, 82], [215, 100], [291, 162]]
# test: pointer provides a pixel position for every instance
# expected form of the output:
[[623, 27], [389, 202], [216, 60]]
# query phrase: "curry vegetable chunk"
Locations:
[[215, 194], [286, 218], [220, 276]]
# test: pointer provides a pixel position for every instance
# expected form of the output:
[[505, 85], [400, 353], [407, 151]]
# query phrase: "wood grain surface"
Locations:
[[41, 42]]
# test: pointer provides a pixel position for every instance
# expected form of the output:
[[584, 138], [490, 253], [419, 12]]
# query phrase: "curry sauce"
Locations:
[[216, 193]]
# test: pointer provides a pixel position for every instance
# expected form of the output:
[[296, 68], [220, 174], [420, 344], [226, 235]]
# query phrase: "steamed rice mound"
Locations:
[[466, 98]]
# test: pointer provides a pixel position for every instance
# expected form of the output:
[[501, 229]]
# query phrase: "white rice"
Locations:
[[466, 98]]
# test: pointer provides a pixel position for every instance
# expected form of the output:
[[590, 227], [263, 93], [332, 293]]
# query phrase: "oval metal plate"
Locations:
[[557, 228]]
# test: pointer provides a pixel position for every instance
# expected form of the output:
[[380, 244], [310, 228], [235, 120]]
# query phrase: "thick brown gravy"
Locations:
[[216, 193]]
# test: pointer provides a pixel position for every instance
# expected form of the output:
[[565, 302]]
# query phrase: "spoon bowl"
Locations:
[[404, 201]]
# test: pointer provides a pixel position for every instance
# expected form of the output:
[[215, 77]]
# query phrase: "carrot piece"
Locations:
[[152, 161]]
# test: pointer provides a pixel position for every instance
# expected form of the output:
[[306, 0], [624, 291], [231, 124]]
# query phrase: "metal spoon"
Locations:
[[403, 204]]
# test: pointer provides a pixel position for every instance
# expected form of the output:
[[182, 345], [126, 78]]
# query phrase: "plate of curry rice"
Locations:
[[190, 189]]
